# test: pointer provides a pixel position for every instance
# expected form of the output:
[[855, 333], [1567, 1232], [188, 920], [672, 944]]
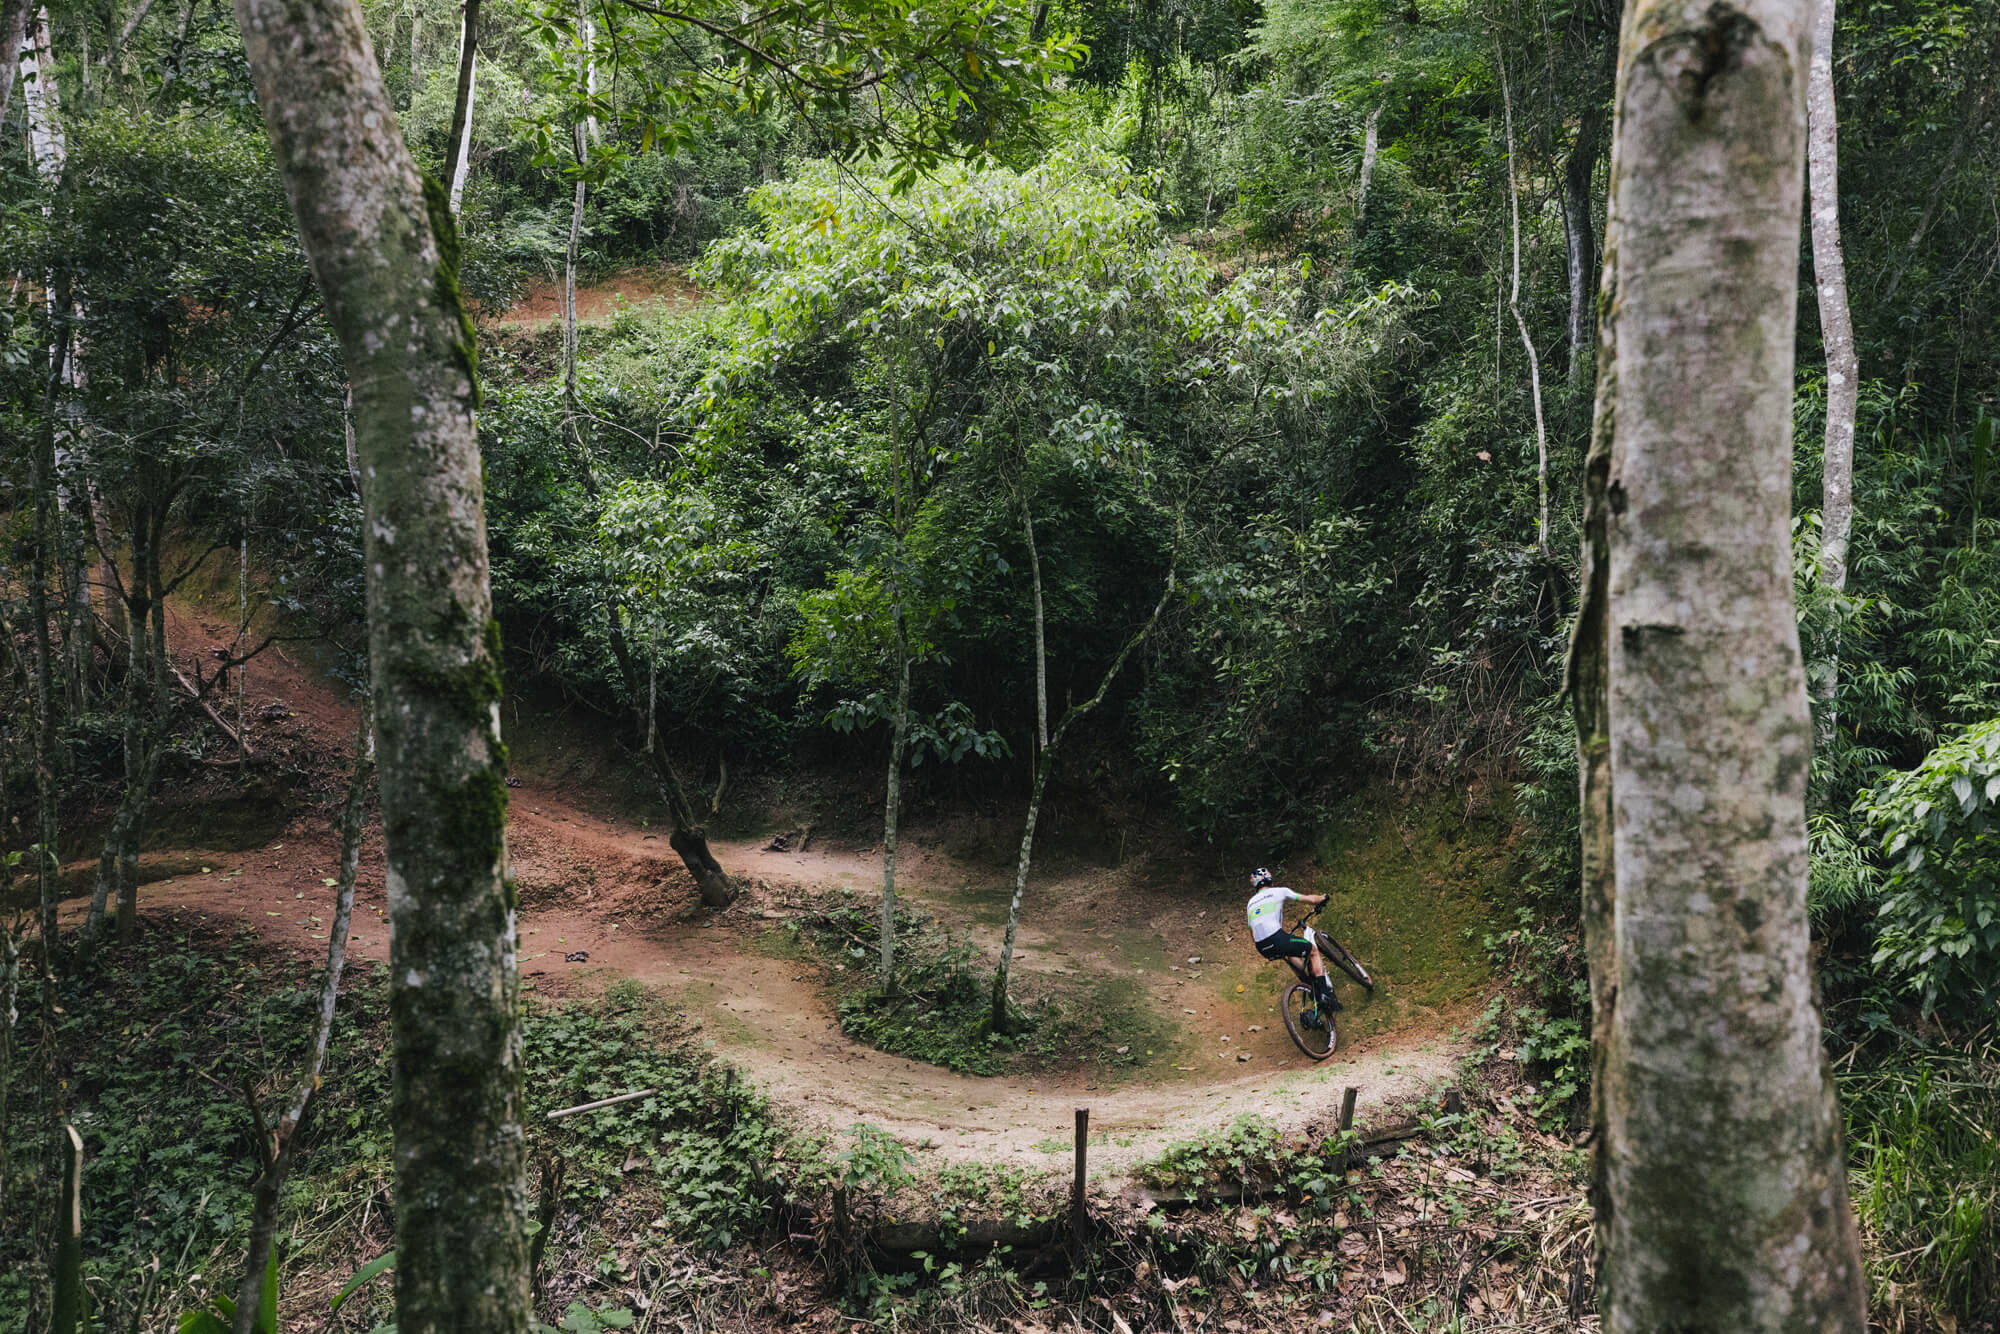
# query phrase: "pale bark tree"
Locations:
[[1044, 762], [1843, 370], [1580, 238], [1521, 322], [458, 151], [383, 249], [902, 505], [1369, 147], [13, 35], [47, 145], [1719, 1183]]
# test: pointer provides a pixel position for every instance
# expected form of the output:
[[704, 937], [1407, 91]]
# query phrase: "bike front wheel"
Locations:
[[1309, 1023], [1337, 954]]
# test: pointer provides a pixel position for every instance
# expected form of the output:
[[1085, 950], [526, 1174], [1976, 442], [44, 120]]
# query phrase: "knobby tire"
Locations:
[[1314, 1042]]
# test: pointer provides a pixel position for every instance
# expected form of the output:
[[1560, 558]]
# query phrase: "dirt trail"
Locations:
[[612, 892]]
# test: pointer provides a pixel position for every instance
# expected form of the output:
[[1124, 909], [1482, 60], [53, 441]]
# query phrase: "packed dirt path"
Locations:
[[604, 900]]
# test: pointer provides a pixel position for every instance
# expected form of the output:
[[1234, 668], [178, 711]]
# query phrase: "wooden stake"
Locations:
[[67, 1315], [1347, 1097], [1079, 1216]]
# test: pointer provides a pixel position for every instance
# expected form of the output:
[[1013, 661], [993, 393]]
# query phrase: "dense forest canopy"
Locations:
[[1178, 416]]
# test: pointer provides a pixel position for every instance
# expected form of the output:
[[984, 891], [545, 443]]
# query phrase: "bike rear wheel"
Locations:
[[1338, 956], [1309, 1023]]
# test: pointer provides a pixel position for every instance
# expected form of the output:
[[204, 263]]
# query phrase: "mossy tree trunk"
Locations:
[[383, 249], [1720, 1187]]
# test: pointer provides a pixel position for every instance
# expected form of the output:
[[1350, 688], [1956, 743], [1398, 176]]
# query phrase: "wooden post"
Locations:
[[1079, 1216], [68, 1307], [1347, 1097]]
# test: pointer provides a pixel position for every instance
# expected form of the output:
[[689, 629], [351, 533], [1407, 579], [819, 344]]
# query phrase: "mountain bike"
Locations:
[[1310, 1023]]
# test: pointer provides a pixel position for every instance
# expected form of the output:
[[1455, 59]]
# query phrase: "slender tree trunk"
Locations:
[[1721, 1190], [138, 695], [47, 144], [1368, 150], [893, 803], [572, 403], [1580, 238], [384, 250], [110, 58], [687, 837], [1521, 324], [42, 483], [13, 35], [458, 146], [277, 1159], [997, 1018], [107, 579], [1843, 371], [1041, 636], [152, 730]]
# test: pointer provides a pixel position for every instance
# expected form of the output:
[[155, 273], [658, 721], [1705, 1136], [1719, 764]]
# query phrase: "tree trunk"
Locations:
[[1580, 238], [1041, 638], [384, 251], [152, 720], [278, 1161], [1721, 1190], [13, 35], [42, 483], [893, 802], [46, 142], [1521, 324], [1368, 148], [572, 403], [458, 146], [997, 1019], [1843, 372]]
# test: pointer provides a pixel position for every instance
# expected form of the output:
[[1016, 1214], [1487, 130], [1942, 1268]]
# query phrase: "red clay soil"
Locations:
[[608, 889], [649, 285]]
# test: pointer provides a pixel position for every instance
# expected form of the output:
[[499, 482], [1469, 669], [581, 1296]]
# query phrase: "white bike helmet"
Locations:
[[1260, 877]]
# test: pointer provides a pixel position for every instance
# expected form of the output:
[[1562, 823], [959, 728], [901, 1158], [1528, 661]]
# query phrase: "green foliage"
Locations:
[[1920, 1118], [936, 1012], [1940, 842], [965, 74], [706, 1136]]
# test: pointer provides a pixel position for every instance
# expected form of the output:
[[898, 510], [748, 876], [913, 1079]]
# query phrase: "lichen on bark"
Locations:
[[1719, 1181], [383, 249]]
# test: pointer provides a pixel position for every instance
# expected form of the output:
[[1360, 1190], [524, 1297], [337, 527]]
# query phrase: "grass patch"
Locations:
[[1925, 1164], [939, 1011], [1411, 892]]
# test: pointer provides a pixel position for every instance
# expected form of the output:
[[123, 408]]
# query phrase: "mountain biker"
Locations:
[[1267, 930]]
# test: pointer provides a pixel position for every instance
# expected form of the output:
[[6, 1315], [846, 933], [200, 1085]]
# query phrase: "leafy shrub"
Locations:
[[937, 1012], [1940, 917]]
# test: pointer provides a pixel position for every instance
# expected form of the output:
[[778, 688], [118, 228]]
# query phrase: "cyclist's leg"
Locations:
[[1321, 982]]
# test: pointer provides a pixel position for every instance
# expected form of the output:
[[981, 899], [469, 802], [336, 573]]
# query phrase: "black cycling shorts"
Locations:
[[1284, 945]]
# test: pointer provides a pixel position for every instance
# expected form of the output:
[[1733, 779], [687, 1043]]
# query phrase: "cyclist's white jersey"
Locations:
[[1267, 911]]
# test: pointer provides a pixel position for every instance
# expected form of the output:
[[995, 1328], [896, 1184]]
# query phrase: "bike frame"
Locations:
[[1311, 937]]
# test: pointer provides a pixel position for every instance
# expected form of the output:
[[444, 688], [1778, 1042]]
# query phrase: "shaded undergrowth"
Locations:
[[938, 1010]]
